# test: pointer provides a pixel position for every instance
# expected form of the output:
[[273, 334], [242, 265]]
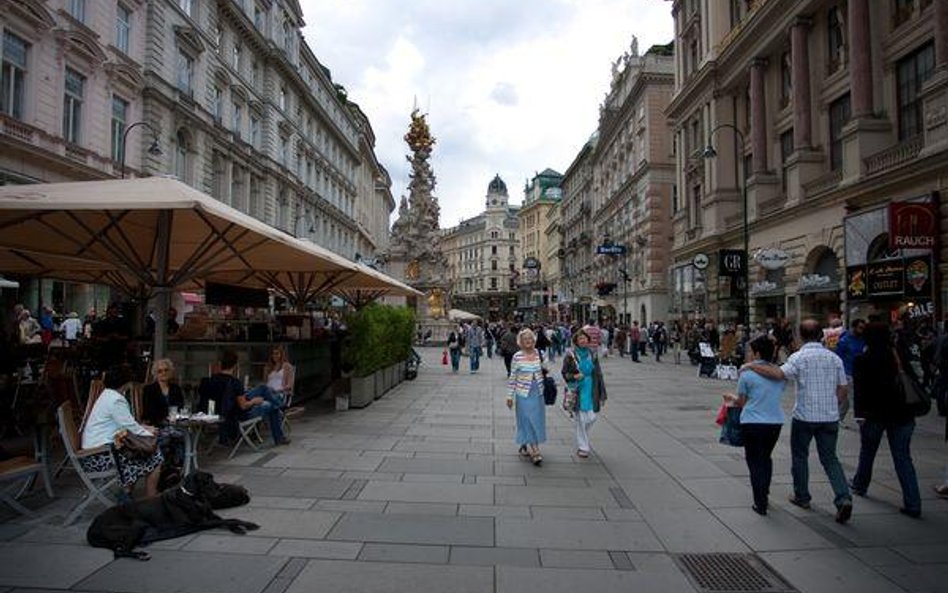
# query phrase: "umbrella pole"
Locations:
[[162, 300]]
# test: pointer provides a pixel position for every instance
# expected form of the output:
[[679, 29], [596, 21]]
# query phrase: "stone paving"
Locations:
[[424, 490]]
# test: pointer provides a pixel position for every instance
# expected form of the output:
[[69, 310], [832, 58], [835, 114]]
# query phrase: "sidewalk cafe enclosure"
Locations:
[[152, 236]]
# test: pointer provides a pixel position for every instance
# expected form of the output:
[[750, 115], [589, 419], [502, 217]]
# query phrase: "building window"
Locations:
[[13, 75], [493, 248], [675, 205], [911, 73], [839, 115], [695, 218], [119, 118], [217, 102], [284, 151], [72, 106], [181, 156], [836, 47], [255, 131], [187, 6], [238, 119], [786, 149], [902, 11], [493, 282], [123, 25], [287, 38], [235, 62], [493, 264], [185, 72], [786, 79], [77, 10], [283, 98], [259, 17]]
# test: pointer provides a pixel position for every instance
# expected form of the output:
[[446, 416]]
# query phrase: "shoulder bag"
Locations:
[[136, 444], [915, 396]]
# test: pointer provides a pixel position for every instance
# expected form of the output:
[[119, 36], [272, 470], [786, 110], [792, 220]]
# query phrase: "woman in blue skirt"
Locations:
[[526, 389]]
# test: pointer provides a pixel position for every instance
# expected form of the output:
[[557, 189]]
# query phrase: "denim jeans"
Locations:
[[759, 443], [269, 410], [900, 440], [826, 434], [455, 358], [475, 353]]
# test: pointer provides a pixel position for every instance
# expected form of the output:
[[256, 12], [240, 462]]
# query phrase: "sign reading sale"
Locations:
[[912, 225]]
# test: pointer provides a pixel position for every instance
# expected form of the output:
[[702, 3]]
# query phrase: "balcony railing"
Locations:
[[17, 129], [894, 156]]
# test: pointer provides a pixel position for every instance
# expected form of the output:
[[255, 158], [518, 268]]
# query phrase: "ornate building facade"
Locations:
[[541, 195], [237, 102], [483, 257], [618, 194], [823, 115]]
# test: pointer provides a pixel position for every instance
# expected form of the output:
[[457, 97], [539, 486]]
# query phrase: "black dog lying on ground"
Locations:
[[182, 510]]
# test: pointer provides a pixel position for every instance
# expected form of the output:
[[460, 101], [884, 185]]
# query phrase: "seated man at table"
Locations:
[[236, 404]]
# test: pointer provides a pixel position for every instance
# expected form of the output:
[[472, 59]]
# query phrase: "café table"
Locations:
[[193, 426]]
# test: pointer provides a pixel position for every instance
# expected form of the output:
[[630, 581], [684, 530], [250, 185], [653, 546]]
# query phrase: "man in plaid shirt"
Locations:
[[821, 388]]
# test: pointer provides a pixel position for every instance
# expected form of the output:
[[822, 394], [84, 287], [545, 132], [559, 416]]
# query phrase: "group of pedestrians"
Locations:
[[865, 367]]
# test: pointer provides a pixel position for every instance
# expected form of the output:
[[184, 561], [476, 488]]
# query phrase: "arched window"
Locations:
[[879, 249]]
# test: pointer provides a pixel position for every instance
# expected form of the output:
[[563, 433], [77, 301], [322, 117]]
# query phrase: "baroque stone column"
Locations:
[[941, 33], [802, 118], [860, 58], [758, 68]]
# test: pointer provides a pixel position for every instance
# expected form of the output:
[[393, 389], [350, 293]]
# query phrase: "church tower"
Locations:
[[497, 194]]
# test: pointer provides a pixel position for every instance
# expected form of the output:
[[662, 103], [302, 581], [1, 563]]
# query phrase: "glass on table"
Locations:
[[173, 413]]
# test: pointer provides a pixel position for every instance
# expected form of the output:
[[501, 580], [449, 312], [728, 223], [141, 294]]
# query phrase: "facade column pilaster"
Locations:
[[758, 68], [860, 58], [934, 93], [802, 105]]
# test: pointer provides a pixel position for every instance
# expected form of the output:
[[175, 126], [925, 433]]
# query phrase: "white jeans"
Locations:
[[584, 422]]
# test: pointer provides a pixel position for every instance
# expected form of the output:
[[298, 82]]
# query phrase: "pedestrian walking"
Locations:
[[880, 408], [761, 421], [675, 336], [489, 341], [848, 347], [583, 377], [474, 336], [821, 385], [635, 335], [508, 346], [620, 340], [454, 348], [525, 387]]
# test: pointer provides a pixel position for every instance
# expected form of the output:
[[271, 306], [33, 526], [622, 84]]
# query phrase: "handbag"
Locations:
[[731, 430], [569, 399], [549, 390], [136, 444], [916, 397]]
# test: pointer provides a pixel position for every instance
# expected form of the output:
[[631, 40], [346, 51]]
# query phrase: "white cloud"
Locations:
[[509, 87]]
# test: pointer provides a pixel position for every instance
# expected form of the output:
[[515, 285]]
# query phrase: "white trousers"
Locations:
[[584, 422]]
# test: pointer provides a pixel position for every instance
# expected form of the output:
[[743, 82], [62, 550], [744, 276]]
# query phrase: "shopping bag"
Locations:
[[722, 415], [444, 357], [731, 431]]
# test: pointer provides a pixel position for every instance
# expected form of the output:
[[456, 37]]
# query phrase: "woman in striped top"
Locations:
[[526, 388]]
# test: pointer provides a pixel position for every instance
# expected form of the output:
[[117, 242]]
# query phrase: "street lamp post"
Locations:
[[154, 149], [710, 153]]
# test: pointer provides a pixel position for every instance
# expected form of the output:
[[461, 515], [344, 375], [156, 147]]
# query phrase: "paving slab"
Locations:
[[285, 523], [828, 571], [48, 565], [480, 556], [404, 553], [511, 579], [417, 465], [381, 577], [579, 535], [229, 544], [308, 548], [295, 487], [575, 559], [428, 492], [554, 496], [421, 508], [184, 572], [486, 510], [414, 529], [693, 530], [775, 531]]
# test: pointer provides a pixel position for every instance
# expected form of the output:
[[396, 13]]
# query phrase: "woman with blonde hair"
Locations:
[[279, 372], [525, 386]]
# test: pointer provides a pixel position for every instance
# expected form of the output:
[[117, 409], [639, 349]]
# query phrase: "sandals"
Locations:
[[536, 458], [582, 454], [523, 452], [941, 490]]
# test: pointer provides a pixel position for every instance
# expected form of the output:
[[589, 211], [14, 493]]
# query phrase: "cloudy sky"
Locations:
[[510, 86]]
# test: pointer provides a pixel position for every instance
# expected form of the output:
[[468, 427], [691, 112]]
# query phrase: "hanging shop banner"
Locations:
[[885, 277], [912, 225], [856, 283], [918, 276], [732, 262]]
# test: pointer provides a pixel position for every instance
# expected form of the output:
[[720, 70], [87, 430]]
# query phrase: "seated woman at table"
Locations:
[[238, 404], [279, 373], [111, 414], [157, 398]]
